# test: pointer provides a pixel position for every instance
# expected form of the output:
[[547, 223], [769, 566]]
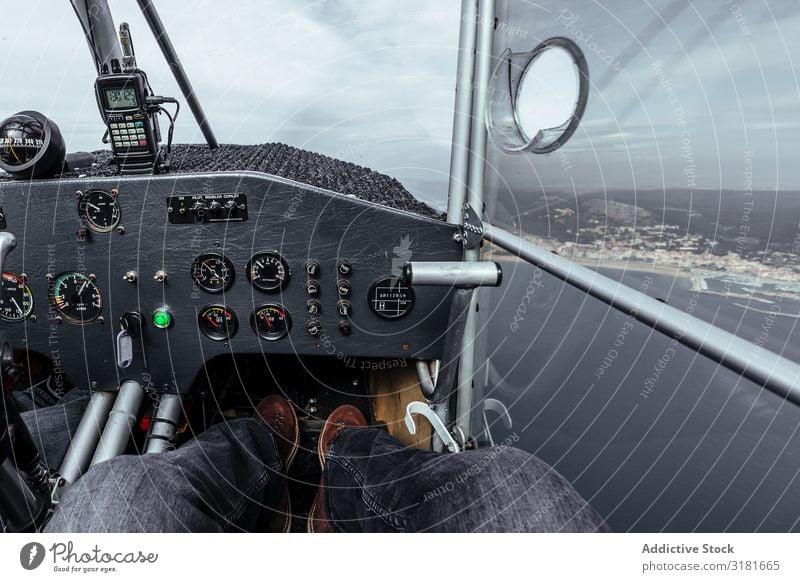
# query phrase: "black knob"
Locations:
[[312, 268], [343, 287], [313, 307], [199, 209], [312, 287], [344, 267], [344, 307], [215, 207], [345, 328], [131, 321], [313, 327]]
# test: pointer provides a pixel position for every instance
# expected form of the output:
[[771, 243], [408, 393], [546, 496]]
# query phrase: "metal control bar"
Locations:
[[454, 274], [121, 420], [775, 373], [84, 443], [164, 424]]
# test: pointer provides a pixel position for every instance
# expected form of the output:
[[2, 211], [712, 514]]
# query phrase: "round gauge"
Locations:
[[217, 322], [268, 271], [390, 298], [271, 321], [212, 272], [99, 210], [76, 297], [16, 299]]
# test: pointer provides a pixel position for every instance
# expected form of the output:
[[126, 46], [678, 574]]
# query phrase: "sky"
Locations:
[[368, 82]]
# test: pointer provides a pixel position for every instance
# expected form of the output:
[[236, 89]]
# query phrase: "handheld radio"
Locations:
[[132, 129], [129, 110]]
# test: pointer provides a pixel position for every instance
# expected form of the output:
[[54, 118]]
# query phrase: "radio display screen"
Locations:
[[121, 99]]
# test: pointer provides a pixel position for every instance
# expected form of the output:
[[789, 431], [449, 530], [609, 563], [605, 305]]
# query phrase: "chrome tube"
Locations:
[[120, 423], [453, 273], [462, 112], [775, 373], [84, 442], [477, 176], [164, 424]]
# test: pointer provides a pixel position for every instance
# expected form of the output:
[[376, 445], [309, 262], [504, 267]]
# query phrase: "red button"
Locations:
[[142, 142]]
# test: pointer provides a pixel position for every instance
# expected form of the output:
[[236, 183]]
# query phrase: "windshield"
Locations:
[[370, 83]]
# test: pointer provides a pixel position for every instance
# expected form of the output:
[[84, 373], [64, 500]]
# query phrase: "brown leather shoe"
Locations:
[[346, 416], [280, 416]]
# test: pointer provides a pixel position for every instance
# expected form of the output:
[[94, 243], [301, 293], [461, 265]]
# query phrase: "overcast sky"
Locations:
[[370, 82]]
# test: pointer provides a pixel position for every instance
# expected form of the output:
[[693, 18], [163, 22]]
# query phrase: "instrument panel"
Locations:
[[147, 278]]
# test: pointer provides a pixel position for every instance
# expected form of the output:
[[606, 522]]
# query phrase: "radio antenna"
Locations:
[[128, 54]]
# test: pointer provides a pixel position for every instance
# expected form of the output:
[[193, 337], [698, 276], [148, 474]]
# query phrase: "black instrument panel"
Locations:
[[296, 270]]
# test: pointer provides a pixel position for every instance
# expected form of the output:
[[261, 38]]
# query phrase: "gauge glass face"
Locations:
[[212, 272], [99, 210], [390, 298], [217, 322], [268, 271], [271, 321], [76, 298], [16, 299]]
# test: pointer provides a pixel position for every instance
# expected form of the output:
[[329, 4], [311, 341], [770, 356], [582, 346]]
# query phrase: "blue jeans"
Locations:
[[230, 478]]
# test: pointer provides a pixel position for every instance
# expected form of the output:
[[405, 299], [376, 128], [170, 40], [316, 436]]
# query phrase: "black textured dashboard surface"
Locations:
[[283, 161], [298, 221]]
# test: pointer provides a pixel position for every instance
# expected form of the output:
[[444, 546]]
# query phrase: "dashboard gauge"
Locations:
[[271, 321], [16, 299], [217, 322], [268, 271], [99, 210], [390, 298], [212, 272], [76, 297]]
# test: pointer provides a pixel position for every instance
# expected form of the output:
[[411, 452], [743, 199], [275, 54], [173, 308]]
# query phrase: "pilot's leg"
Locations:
[[230, 478], [51, 423], [374, 483]]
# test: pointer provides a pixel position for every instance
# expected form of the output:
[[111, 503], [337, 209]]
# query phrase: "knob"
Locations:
[[312, 268], [215, 207], [313, 307], [230, 205], [344, 267], [313, 327], [312, 287], [343, 287], [345, 328], [344, 307], [199, 209]]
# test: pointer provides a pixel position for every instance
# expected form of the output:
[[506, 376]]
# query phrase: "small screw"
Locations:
[[92, 277], [101, 320], [49, 276], [457, 237], [59, 319], [94, 385], [78, 194], [23, 276], [32, 319], [121, 229], [114, 192]]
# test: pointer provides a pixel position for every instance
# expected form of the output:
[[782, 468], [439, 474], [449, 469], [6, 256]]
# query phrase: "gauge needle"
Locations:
[[14, 301], [266, 319], [83, 287], [93, 206]]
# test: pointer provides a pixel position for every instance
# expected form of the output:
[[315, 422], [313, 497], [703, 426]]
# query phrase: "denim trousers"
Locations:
[[230, 478]]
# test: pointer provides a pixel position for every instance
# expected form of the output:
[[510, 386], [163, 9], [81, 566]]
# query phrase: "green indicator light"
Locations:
[[162, 318]]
